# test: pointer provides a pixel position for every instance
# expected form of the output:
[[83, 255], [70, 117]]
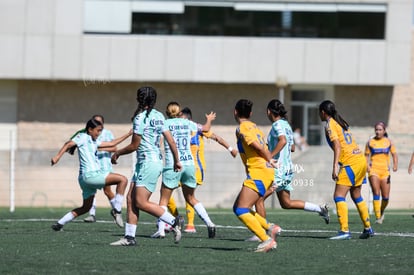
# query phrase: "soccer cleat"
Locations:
[[125, 241], [90, 218], [177, 231], [57, 227], [211, 231], [324, 213], [274, 230], [380, 220], [253, 238], [117, 217], [158, 235], [266, 246], [190, 229], [342, 236], [367, 233]]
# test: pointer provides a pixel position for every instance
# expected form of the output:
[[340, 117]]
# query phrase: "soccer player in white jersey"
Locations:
[[148, 127], [281, 144], [104, 158], [181, 130], [91, 177]]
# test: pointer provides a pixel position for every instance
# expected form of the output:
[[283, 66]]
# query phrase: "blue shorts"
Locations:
[[147, 175], [92, 181], [186, 176]]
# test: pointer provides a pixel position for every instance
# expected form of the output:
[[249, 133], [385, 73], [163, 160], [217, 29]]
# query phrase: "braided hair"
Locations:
[[277, 108], [329, 108], [146, 98]]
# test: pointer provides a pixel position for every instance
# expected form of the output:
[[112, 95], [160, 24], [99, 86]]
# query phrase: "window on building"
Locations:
[[227, 21]]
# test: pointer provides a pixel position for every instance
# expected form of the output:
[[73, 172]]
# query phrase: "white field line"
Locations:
[[389, 234]]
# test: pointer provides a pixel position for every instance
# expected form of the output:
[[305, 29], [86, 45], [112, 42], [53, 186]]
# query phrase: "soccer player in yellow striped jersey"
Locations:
[[259, 176], [377, 153], [348, 171]]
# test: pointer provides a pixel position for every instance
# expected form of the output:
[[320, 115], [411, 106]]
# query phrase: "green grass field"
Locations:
[[29, 246]]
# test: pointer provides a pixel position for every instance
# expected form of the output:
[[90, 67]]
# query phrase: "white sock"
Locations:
[[92, 211], [112, 202], [67, 218], [311, 207], [202, 213], [168, 218], [118, 202], [161, 223], [130, 229]]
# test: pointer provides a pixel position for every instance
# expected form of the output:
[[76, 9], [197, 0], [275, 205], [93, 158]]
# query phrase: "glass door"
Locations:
[[305, 115]]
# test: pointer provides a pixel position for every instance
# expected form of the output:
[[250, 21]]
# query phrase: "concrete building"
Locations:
[[62, 61]]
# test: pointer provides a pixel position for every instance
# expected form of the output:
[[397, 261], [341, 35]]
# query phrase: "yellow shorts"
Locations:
[[259, 180], [352, 175], [382, 174]]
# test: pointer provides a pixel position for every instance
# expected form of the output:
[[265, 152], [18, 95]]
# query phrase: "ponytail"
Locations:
[[329, 108]]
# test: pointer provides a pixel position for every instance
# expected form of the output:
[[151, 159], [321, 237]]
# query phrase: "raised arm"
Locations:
[[209, 118], [132, 147], [65, 147], [224, 143], [116, 141]]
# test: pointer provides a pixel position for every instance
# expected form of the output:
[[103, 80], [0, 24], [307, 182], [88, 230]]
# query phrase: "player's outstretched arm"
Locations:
[[225, 144], [62, 150]]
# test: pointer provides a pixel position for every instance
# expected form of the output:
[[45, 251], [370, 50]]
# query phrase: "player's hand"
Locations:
[[53, 161], [114, 158], [335, 174], [274, 163], [177, 166], [234, 152], [211, 116]]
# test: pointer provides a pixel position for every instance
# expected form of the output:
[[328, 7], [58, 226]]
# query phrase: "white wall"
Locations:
[[44, 39]]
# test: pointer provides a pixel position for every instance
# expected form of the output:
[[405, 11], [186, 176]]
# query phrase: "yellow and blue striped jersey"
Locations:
[[379, 151], [350, 152], [246, 134]]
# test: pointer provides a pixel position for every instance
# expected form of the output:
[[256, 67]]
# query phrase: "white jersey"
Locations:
[[284, 158], [104, 157], [150, 129], [87, 152], [181, 130]]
